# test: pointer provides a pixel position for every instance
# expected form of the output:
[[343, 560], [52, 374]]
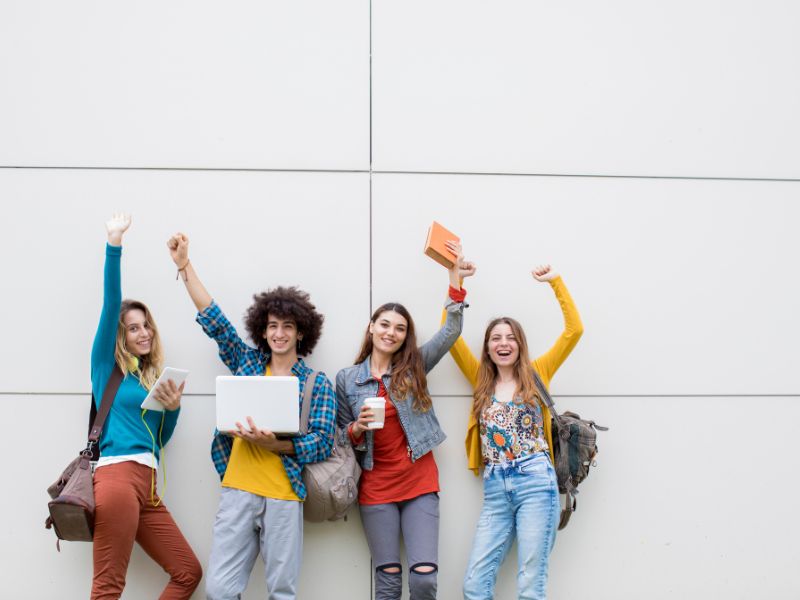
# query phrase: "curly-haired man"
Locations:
[[261, 475]]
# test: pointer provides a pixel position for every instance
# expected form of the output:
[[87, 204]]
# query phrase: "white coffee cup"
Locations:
[[378, 408]]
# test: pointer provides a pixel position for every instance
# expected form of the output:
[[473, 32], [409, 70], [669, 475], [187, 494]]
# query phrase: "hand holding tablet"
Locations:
[[177, 376]]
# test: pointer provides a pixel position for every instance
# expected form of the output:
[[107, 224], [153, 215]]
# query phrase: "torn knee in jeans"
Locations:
[[391, 568], [388, 581], [422, 582], [423, 568]]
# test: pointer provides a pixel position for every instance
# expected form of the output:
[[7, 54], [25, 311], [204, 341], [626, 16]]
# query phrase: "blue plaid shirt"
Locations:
[[241, 359]]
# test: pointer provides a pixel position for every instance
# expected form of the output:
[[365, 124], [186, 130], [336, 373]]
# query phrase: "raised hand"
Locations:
[[455, 248], [544, 273], [116, 226], [461, 268], [178, 246], [466, 268]]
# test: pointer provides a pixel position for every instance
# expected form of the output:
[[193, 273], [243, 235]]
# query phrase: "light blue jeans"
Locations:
[[245, 524], [520, 498]]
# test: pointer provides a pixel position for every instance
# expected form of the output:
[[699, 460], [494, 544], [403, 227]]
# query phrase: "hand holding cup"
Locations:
[[371, 416]]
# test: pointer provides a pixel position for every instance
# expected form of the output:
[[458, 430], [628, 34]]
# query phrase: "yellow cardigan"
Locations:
[[546, 366]]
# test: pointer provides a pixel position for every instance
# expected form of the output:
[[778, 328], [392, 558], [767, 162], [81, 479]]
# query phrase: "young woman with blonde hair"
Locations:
[[127, 507], [509, 436]]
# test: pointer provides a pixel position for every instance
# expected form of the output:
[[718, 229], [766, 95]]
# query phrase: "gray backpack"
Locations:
[[574, 449], [332, 485]]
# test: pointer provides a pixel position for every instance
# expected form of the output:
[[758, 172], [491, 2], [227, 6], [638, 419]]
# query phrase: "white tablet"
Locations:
[[178, 376], [272, 402]]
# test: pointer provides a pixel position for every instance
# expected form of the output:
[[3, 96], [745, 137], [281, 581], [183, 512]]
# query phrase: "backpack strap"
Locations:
[[569, 507], [548, 401], [96, 428], [563, 482], [305, 408], [545, 395]]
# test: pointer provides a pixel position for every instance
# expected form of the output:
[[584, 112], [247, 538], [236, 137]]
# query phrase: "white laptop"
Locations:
[[272, 402]]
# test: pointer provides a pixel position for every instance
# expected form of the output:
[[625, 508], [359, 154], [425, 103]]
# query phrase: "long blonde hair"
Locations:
[[148, 366], [487, 371]]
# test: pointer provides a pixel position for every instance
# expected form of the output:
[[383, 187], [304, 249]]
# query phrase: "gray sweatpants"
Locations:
[[417, 520], [246, 523]]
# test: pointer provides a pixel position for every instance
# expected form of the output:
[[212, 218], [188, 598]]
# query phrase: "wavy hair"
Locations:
[[487, 371], [148, 366], [408, 371]]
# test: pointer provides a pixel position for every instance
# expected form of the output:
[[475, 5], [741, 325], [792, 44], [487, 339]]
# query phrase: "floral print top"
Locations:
[[511, 430]]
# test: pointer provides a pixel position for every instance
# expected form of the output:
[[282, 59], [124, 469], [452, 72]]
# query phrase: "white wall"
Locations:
[[649, 150]]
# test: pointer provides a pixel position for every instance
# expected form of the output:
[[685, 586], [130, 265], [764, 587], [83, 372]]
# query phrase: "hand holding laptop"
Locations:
[[261, 437]]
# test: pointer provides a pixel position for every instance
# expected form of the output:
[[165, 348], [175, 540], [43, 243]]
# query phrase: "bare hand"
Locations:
[[365, 417], [455, 247], [178, 246], [260, 437], [169, 394], [544, 273], [466, 268], [116, 226]]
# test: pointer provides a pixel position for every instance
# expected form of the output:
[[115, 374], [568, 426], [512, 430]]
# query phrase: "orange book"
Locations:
[[435, 248]]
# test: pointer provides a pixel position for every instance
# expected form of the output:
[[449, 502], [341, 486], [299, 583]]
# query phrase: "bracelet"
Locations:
[[182, 270]]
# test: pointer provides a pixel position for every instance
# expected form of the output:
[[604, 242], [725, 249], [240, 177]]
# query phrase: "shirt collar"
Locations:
[[298, 369], [363, 375]]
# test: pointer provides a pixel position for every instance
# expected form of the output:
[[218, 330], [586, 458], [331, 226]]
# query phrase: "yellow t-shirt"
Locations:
[[257, 470]]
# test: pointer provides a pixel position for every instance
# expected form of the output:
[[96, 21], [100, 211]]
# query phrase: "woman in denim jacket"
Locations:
[[398, 490]]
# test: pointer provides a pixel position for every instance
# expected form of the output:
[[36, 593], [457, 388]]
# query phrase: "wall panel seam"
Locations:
[[372, 171]]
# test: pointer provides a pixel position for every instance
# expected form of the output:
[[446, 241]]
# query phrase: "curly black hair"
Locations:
[[284, 303]]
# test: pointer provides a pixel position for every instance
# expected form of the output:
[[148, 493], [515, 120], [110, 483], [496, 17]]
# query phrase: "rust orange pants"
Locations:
[[124, 513]]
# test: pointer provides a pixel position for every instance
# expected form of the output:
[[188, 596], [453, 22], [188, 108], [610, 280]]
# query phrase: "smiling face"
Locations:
[[281, 335], [388, 331], [502, 345], [138, 332]]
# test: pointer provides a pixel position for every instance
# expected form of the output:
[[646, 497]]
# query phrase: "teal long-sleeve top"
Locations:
[[124, 432]]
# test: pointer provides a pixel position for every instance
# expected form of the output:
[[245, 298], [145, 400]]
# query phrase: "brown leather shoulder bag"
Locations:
[[72, 504]]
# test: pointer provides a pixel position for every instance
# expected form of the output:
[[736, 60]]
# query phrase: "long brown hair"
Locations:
[[148, 366], [408, 372], [487, 370]]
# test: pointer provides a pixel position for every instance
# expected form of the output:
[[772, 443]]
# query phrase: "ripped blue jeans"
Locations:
[[520, 499]]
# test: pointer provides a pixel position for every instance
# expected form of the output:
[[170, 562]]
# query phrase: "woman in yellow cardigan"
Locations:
[[509, 435]]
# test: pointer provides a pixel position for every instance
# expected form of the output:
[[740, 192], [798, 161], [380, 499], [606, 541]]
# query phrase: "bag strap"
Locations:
[[112, 385], [545, 395], [570, 502], [569, 507], [305, 409], [548, 401]]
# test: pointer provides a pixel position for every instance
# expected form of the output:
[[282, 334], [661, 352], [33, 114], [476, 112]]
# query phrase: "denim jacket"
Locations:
[[355, 384]]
